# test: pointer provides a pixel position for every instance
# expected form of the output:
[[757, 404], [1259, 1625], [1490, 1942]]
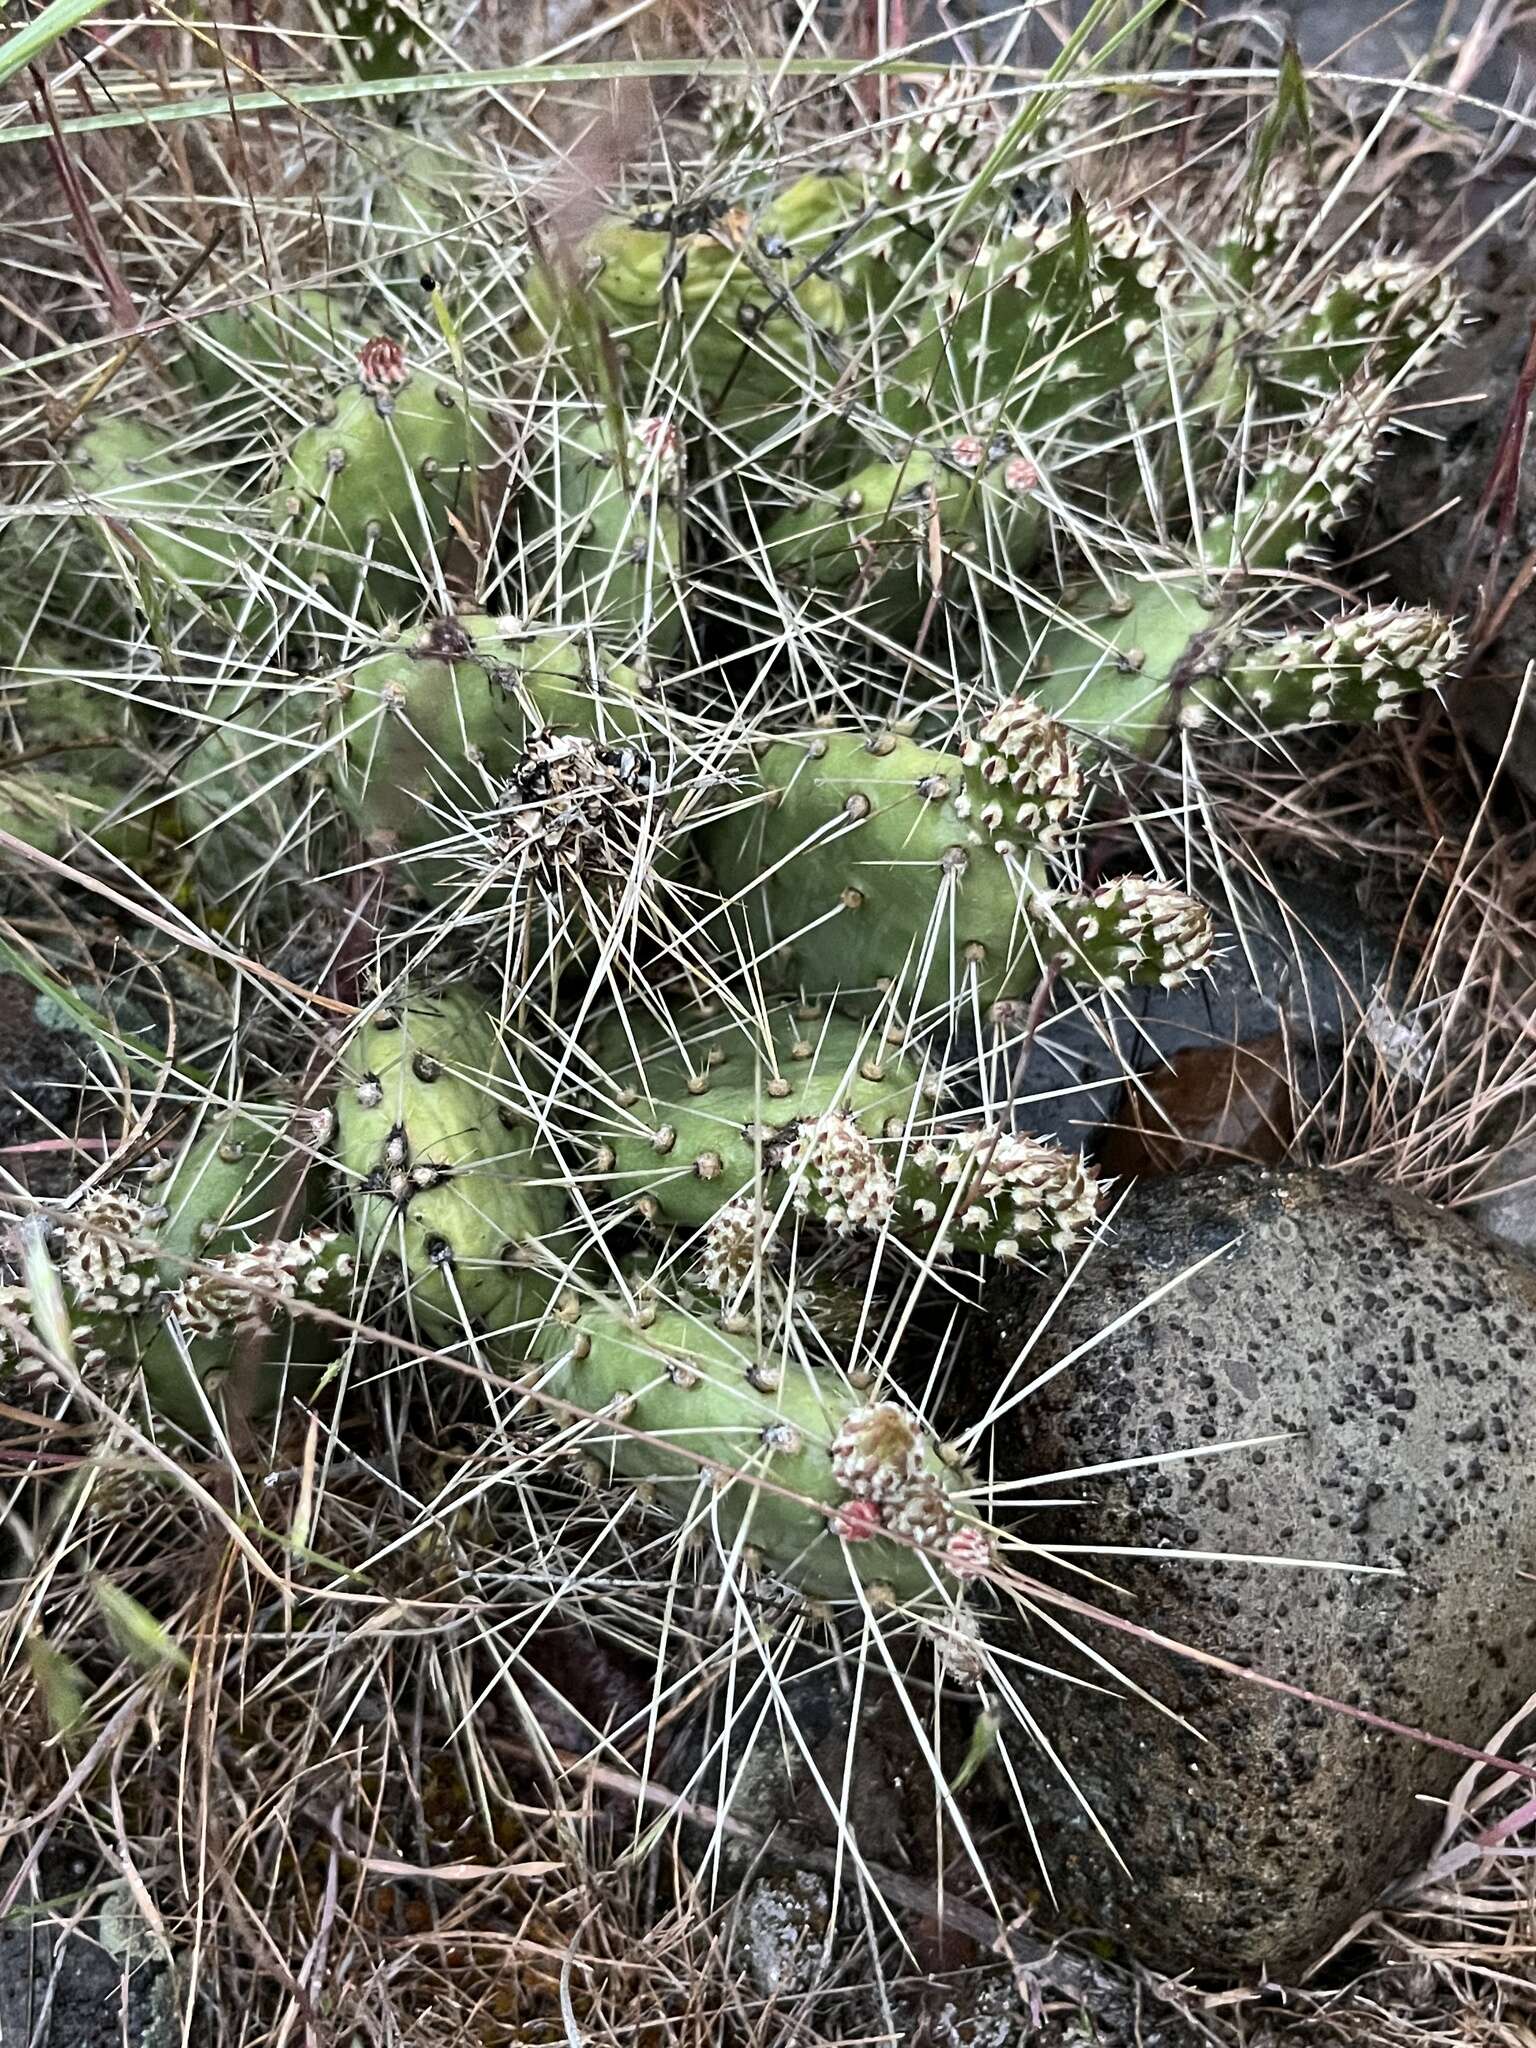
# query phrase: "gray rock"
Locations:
[[1508, 1210], [1396, 1342]]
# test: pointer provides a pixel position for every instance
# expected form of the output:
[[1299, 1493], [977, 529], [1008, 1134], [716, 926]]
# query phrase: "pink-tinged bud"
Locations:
[[968, 1553], [1020, 475], [661, 442], [381, 366], [969, 451], [856, 1521]]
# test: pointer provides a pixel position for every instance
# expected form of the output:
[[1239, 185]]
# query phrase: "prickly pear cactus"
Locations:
[[370, 497], [730, 1124], [615, 530], [708, 1106], [160, 513], [535, 738], [697, 636], [173, 1278], [712, 303]]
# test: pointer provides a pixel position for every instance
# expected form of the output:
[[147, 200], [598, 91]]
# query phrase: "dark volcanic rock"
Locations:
[[1395, 1341]]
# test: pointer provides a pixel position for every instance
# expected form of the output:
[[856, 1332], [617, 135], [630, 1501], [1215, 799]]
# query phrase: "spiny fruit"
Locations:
[[875, 869], [447, 1179], [788, 1466], [370, 497]]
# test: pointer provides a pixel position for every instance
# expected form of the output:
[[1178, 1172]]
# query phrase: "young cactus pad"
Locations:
[[213, 1242], [881, 529], [445, 1171], [614, 526], [823, 1115], [1061, 317], [874, 865], [858, 1475], [724, 312]]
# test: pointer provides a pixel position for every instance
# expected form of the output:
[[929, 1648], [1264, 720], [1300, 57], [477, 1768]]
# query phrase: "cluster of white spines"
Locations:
[[655, 453], [1031, 772], [1385, 295], [1014, 1188], [108, 1263], [1386, 653], [1133, 929], [731, 1249], [935, 139], [1309, 483]]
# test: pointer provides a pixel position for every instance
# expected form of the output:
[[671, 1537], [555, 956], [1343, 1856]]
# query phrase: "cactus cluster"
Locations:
[[666, 687]]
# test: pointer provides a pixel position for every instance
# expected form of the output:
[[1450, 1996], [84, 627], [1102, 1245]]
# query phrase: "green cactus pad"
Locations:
[[163, 513], [1302, 490], [875, 865], [705, 1110], [1059, 318], [1363, 667], [1128, 670], [192, 1245], [884, 526], [447, 1178], [857, 1474], [1122, 671], [234, 356], [54, 811], [721, 1121], [369, 497], [1375, 319], [724, 314], [237, 789]]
